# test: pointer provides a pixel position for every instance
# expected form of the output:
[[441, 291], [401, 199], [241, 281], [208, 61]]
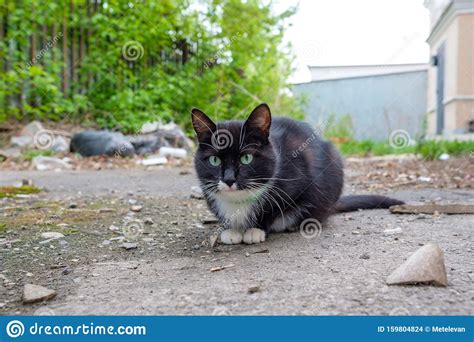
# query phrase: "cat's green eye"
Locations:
[[214, 161], [246, 159]]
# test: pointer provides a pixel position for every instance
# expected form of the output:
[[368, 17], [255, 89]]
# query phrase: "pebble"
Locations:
[[253, 289], [365, 256], [129, 245], [393, 231], [51, 235], [114, 228], [72, 205], [35, 293], [148, 221], [136, 208]]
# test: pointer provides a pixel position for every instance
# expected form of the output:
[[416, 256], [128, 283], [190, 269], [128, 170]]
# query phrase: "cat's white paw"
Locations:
[[254, 235], [231, 236]]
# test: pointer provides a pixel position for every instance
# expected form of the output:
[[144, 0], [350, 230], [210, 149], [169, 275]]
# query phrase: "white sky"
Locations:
[[346, 32]]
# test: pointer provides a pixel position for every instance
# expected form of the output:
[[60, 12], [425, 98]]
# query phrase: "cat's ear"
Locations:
[[202, 124], [260, 119]]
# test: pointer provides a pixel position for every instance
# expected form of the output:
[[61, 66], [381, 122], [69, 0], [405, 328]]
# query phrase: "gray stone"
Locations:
[[42, 163], [425, 266], [52, 235], [35, 293]]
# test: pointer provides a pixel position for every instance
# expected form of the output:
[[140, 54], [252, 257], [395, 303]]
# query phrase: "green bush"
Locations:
[[224, 56]]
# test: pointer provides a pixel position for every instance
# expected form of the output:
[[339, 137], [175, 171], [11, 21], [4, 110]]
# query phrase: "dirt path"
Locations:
[[342, 271]]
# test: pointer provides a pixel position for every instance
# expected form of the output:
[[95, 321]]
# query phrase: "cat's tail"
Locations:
[[355, 202]]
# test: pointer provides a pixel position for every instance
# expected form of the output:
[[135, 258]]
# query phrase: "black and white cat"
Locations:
[[263, 175]]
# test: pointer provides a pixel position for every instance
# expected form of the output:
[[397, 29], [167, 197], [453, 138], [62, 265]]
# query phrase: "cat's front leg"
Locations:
[[254, 235], [232, 236]]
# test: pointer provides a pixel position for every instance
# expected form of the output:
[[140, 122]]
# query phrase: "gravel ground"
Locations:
[[341, 271]]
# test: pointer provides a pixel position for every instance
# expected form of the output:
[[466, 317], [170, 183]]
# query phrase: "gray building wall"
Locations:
[[377, 104]]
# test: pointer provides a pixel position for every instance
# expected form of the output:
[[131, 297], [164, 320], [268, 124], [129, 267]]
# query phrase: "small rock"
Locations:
[[355, 232], [136, 208], [425, 266], [132, 201], [42, 163], [114, 228], [172, 152], [66, 270], [148, 221], [129, 245], [72, 205], [52, 235], [106, 242], [106, 210], [35, 293], [253, 289], [153, 160], [196, 247], [365, 256], [393, 231]]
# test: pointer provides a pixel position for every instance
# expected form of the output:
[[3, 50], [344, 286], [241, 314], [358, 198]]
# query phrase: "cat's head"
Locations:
[[234, 158]]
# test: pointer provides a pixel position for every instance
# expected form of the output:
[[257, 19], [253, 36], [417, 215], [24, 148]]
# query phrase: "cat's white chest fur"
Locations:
[[236, 209]]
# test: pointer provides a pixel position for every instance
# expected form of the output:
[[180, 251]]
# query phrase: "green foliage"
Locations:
[[428, 149], [432, 149], [28, 155], [145, 60], [338, 127]]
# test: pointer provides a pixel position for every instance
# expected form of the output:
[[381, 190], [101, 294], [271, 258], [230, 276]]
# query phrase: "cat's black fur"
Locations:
[[300, 174]]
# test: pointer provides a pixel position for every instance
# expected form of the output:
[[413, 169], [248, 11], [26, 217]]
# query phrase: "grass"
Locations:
[[427, 149], [30, 154], [12, 191]]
